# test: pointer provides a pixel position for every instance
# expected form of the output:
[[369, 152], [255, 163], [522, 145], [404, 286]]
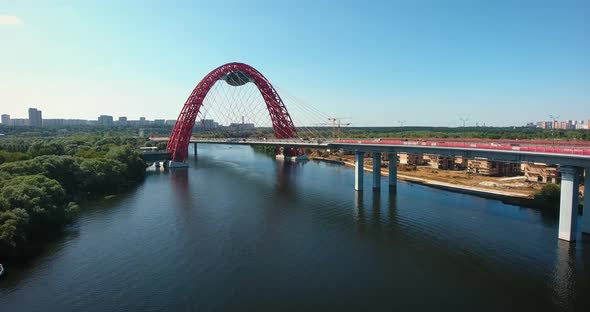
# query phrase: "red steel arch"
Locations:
[[281, 120]]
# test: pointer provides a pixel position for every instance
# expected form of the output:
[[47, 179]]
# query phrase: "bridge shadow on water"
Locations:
[[284, 183], [286, 172]]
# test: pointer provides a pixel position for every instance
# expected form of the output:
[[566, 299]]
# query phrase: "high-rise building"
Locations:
[[54, 122], [142, 121], [35, 117], [545, 124], [19, 122], [6, 119], [104, 120], [122, 121], [207, 124]]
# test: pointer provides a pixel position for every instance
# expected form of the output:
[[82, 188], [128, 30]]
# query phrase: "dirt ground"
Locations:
[[462, 178]]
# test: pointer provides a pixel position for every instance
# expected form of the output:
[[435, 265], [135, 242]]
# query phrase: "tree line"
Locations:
[[42, 180]]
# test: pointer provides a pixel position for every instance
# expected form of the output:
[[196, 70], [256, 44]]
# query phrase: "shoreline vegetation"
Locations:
[[42, 180]]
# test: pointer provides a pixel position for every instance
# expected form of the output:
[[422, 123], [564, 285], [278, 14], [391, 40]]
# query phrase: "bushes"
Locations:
[[36, 195], [103, 176], [550, 193], [265, 149], [6, 156], [13, 229], [548, 196], [30, 207], [42, 198], [46, 148], [131, 158]]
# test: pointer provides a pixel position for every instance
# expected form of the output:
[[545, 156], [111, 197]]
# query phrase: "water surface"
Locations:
[[240, 231]]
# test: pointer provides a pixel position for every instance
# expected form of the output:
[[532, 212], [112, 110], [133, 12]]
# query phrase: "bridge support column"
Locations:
[[392, 170], [568, 207], [586, 214], [358, 170], [175, 164], [195, 149], [376, 171]]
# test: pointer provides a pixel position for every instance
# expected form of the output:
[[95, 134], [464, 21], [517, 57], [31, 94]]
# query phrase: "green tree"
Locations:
[[42, 198], [13, 229], [131, 158], [102, 176], [550, 194], [46, 148], [6, 156]]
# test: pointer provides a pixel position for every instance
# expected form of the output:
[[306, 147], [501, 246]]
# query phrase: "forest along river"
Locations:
[[241, 231]]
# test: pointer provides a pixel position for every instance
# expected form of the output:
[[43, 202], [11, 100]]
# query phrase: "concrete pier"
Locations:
[[358, 170], [392, 170], [376, 171], [586, 215], [195, 149], [175, 164], [568, 207]]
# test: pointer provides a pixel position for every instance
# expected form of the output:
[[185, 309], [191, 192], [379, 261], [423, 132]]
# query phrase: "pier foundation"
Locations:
[[358, 170], [392, 170], [568, 207], [376, 171], [175, 164]]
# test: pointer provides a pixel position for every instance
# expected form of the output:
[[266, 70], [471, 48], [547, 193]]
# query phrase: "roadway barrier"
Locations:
[[469, 145]]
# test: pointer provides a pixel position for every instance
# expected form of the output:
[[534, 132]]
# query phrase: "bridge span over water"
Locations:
[[573, 163], [573, 160]]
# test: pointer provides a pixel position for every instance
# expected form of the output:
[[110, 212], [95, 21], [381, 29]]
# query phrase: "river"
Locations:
[[239, 231]]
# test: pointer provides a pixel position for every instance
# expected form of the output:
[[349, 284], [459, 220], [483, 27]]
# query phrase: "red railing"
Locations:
[[535, 147]]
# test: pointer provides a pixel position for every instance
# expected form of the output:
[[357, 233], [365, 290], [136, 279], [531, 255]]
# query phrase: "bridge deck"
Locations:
[[153, 156], [562, 155]]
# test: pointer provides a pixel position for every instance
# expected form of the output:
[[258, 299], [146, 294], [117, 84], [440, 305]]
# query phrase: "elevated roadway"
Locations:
[[573, 162]]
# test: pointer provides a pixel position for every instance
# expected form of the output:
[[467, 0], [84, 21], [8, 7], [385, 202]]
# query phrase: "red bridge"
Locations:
[[573, 157]]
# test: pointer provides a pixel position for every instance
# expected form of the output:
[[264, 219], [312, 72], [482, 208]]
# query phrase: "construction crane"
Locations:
[[554, 118], [464, 120], [336, 124]]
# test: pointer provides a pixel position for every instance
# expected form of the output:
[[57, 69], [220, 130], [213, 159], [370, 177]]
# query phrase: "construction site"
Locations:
[[479, 175]]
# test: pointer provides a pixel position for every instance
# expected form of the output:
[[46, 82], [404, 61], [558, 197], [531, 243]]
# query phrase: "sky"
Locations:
[[429, 63]]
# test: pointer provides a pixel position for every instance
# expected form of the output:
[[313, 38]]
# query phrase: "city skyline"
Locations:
[[554, 122], [427, 66]]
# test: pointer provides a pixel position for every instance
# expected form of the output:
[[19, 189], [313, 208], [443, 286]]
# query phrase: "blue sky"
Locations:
[[427, 62]]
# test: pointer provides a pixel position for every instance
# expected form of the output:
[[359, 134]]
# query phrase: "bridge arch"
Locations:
[[235, 74]]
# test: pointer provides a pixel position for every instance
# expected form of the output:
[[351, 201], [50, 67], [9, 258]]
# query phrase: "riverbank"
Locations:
[[40, 195], [507, 196]]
